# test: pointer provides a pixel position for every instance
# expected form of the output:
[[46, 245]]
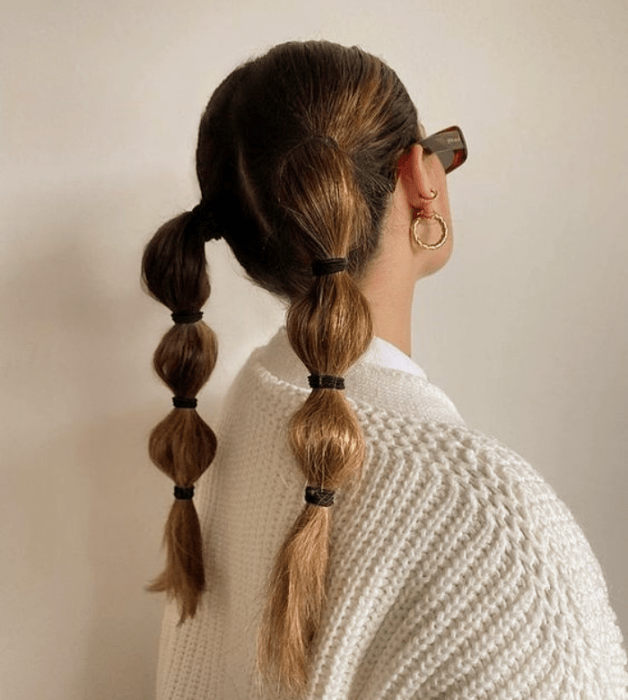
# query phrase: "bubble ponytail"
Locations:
[[329, 328], [182, 445]]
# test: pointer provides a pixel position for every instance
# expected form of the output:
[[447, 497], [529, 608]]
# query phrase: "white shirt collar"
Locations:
[[384, 354], [384, 377]]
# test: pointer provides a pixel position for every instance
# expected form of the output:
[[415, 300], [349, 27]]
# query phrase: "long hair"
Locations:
[[296, 161]]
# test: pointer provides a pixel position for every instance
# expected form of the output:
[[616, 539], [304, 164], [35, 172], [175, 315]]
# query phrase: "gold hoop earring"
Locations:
[[433, 197], [443, 227]]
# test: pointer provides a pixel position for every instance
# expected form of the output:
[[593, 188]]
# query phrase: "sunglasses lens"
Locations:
[[457, 158], [447, 159], [449, 146]]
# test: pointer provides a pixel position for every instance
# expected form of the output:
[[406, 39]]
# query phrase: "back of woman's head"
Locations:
[[297, 155], [296, 161]]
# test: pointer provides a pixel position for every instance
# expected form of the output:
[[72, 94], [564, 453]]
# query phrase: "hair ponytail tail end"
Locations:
[[293, 612], [183, 578]]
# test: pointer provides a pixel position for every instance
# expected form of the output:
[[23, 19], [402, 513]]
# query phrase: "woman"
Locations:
[[358, 540]]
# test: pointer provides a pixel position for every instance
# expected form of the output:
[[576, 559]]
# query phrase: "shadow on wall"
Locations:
[[75, 447]]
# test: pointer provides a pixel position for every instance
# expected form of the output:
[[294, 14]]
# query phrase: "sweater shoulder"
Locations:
[[479, 581]]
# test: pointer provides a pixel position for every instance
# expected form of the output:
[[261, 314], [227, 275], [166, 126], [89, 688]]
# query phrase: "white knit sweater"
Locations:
[[455, 571]]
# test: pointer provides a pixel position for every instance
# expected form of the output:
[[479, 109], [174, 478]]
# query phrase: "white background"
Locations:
[[526, 328]]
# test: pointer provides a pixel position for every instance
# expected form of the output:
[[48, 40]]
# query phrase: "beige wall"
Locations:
[[526, 328]]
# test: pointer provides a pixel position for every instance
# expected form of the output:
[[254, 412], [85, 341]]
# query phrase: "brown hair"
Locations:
[[296, 161], [182, 445]]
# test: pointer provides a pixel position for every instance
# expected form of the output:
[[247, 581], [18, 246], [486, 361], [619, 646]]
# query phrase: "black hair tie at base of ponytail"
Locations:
[[183, 402], [201, 218], [184, 493], [323, 498], [326, 381], [187, 316], [320, 268]]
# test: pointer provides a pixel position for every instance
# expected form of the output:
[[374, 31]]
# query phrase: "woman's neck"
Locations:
[[389, 290]]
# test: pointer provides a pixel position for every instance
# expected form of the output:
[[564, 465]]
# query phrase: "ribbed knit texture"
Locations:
[[455, 572]]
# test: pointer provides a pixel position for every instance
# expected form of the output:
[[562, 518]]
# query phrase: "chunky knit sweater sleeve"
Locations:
[[472, 580], [455, 571]]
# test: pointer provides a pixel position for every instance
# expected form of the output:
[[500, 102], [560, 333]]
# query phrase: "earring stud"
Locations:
[[433, 197]]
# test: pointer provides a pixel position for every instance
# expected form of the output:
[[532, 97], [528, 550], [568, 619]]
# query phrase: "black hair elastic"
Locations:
[[184, 493], [320, 268], [316, 496], [326, 381], [201, 218], [183, 402], [187, 316]]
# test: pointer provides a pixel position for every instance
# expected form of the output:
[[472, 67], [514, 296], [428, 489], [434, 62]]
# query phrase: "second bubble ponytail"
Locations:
[[182, 445], [329, 328]]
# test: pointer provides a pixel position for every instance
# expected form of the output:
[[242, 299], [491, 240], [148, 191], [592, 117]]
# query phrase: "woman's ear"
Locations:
[[415, 177]]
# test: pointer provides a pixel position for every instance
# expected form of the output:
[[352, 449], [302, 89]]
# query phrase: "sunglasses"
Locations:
[[449, 145]]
